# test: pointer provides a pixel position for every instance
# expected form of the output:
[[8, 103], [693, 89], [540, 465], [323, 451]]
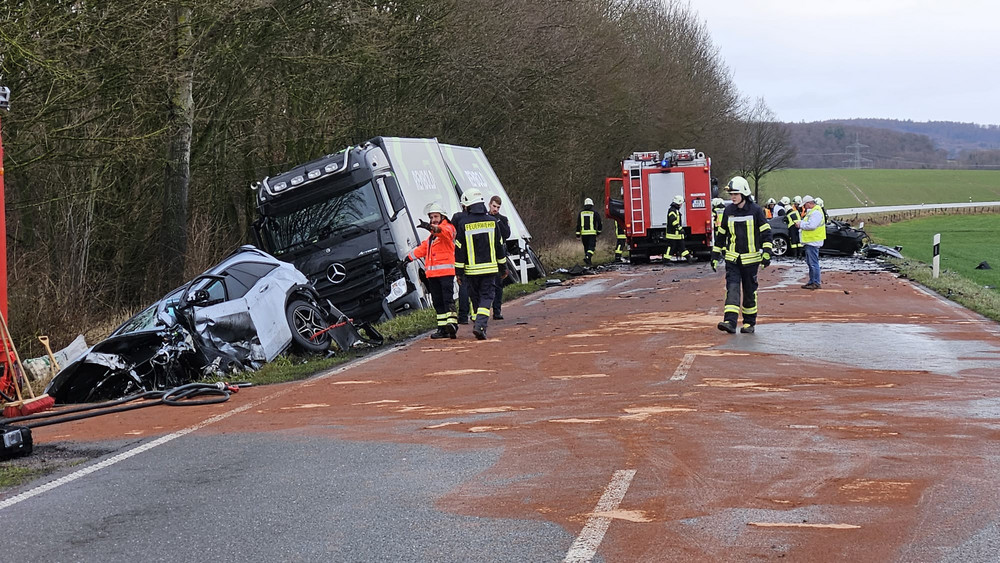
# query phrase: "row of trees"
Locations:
[[136, 126]]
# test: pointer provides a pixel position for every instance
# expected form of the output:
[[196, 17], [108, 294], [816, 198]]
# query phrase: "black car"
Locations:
[[841, 238]]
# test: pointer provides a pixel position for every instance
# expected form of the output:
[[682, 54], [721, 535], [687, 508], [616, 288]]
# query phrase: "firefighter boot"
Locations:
[[747, 328], [727, 326], [442, 332], [452, 329], [479, 327]]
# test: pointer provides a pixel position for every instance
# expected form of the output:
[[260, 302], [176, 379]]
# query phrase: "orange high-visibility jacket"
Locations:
[[438, 251]]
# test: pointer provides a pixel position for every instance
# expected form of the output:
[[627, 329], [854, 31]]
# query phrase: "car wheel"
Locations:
[[779, 245], [308, 325]]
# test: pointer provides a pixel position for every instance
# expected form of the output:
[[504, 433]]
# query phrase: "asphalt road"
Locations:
[[606, 419]]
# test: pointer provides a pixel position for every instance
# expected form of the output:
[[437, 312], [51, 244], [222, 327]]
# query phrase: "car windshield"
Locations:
[[149, 317], [346, 213]]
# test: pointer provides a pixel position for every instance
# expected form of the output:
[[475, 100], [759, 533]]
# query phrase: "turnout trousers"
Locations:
[[463, 300], [481, 292], [741, 277], [442, 291], [620, 248], [677, 247], [589, 244]]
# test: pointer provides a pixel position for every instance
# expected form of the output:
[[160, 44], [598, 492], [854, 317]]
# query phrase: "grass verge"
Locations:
[[13, 475]]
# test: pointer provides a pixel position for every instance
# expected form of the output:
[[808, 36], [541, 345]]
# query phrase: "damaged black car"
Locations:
[[236, 316], [841, 238]]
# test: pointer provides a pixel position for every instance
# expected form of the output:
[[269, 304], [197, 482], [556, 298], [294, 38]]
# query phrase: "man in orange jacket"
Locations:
[[438, 252]]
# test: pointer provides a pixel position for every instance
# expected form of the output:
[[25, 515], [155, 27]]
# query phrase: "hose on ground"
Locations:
[[184, 395]]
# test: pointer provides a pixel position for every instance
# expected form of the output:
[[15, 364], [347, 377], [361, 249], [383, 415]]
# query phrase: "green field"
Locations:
[[842, 188], [966, 240]]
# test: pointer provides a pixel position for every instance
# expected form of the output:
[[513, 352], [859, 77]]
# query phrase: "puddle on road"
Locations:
[[589, 287], [880, 346]]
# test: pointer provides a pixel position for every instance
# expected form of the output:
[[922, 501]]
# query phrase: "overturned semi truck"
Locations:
[[347, 220]]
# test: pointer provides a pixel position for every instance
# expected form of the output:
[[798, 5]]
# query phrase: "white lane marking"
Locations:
[[6, 503], [585, 546], [682, 370]]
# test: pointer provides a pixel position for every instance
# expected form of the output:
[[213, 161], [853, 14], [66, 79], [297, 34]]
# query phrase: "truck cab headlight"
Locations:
[[397, 290]]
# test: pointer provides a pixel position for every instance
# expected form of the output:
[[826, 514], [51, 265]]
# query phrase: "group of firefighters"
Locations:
[[743, 240], [468, 249]]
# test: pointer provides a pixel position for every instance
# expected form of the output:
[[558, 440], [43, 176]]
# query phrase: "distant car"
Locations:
[[841, 238], [238, 315]]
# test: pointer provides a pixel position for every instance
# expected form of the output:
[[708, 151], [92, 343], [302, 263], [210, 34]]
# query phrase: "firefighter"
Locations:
[[504, 224], [438, 252], [675, 232], [463, 289], [792, 218], [588, 226], [744, 241], [769, 207], [718, 206], [797, 203], [479, 252], [819, 204], [621, 241]]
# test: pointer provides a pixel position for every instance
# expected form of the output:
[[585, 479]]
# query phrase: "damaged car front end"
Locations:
[[236, 316]]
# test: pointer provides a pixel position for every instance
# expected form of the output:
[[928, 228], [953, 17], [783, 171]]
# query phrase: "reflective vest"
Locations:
[[817, 234], [744, 236], [674, 230], [586, 224], [438, 251], [791, 216], [479, 247]]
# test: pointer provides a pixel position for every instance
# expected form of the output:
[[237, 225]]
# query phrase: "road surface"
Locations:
[[606, 420]]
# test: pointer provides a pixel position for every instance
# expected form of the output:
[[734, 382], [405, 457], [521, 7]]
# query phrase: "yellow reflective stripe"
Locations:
[[751, 310], [480, 269], [484, 310], [765, 227], [731, 309]]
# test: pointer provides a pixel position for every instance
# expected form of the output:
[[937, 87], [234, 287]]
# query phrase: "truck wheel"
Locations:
[[779, 245], [306, 322]]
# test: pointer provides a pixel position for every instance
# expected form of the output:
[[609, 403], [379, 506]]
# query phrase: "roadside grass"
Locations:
[[966, 241], [842, 188], [13, 475]]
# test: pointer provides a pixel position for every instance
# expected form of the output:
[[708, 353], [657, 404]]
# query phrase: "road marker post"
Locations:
[[937, 255]]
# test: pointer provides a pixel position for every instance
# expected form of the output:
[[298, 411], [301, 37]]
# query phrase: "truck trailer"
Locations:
[[641, 197]]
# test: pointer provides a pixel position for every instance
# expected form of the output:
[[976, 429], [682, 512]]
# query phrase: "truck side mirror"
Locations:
[[395, 195]]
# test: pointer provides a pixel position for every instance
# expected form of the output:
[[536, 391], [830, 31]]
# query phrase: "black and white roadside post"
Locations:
[[937, 255]]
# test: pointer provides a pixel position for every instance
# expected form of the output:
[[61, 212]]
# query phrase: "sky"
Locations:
[[813, 60]]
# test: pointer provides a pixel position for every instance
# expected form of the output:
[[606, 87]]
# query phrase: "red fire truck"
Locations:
[[641, 196]]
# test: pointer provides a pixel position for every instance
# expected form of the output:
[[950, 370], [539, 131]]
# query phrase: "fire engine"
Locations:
[[648, 184]]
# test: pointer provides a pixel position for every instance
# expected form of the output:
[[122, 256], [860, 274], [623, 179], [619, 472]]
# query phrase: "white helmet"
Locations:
[[819, 201], [797, 199], [739, 185], [588, 201], [718, 202], [770, 201], [472, 196], [433, 207], [679, 199], [785, 201]]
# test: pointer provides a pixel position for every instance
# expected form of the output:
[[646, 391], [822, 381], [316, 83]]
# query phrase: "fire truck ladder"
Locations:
[[636, 201]]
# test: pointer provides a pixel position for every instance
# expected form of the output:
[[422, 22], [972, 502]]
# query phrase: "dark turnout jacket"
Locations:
[[479, 244]]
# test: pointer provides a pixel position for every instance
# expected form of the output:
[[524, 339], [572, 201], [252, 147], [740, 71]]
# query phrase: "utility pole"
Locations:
[[858, 161], [4, 106]]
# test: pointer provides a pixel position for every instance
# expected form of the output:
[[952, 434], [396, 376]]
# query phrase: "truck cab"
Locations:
[[344, 222]]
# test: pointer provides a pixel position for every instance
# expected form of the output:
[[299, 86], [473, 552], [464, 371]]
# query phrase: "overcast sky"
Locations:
[[899, 59]]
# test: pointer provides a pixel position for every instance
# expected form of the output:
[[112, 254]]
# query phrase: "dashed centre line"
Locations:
[[585, 546]]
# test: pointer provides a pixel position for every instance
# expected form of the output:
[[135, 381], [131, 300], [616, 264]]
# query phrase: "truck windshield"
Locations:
[[346, 213]]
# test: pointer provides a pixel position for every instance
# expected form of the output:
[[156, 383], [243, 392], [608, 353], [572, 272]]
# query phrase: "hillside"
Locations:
[[885, 143]]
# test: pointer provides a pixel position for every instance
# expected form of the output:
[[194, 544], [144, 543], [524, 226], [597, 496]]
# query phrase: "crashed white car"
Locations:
[[238, 315]]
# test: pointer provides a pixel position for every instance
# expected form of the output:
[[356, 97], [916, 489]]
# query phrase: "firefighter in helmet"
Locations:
[[822, 207], [621, 241], [792, 218], [769, 207], [718, 206], [676, 248], [744, 241], [438, 252], [479, 254], [588, 226]]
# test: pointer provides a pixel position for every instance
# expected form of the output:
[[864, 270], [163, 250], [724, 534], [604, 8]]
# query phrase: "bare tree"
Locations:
[[764, 144]]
